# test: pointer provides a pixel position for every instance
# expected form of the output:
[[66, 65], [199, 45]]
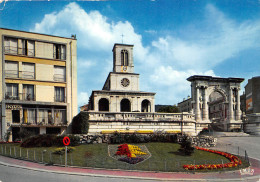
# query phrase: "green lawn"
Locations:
[[164, 157]]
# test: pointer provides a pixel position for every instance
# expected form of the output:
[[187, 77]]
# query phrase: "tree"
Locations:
[[80, 124], [186, 147], [169, 109]]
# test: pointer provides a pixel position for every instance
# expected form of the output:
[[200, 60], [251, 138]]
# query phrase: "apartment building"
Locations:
[[39, 83]]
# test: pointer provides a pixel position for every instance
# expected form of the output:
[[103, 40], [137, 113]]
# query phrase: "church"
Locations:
[[121, 92], [121, 106]]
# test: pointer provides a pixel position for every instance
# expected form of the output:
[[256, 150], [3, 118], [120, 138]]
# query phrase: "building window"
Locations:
[[59, 74], [28, 71], [10, 45], [28, 92], [124, 58], [29, 116], [11, 91], [59, 51], [11, 69], [60, 117], [26, 47], [59, 94]]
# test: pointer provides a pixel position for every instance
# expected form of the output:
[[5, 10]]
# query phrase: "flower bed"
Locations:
[[132, 154], [234, 161]]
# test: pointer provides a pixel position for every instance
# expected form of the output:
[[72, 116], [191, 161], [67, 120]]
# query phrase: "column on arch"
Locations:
[[231, 104], [197, 113], [238, 112], [205, 104]]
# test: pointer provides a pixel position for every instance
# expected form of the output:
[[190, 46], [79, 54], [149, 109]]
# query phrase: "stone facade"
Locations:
[[121, 92], [202, 88], [120, 105]]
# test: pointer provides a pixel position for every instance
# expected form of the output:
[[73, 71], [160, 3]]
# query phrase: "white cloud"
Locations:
[[82, 98], [165, 64], [220, 40], [94, 31]]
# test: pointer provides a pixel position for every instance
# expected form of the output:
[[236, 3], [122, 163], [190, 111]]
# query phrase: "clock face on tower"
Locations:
[[125, 82]]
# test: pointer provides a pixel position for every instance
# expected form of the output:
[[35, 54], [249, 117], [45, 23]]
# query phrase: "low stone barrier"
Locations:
[[201, 141]]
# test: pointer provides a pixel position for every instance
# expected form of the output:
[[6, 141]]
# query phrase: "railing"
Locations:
[[61, 56], [45, 121], [20, 96], [11, 74], [21, 74], [27, 74], [59, 99], [19, 51], [135, 116], [59, 78]]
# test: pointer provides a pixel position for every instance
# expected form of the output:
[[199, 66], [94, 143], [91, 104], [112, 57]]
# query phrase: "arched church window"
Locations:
[[124, 58], [125, 105], [146, 106], [103, 105]]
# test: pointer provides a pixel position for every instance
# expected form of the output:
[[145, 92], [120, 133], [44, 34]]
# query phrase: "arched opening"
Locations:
[[146, 106], [217, 107], [124, 58], [103, 105], [125, 105]]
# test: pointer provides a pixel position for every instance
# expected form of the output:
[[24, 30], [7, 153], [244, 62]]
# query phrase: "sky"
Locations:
[[173, 39]]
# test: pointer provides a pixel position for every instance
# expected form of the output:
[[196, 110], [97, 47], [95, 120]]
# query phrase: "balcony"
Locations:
[[20, 96], [44, 121], [21, 74]]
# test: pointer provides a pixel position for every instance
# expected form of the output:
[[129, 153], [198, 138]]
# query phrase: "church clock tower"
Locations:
[[123, 58]]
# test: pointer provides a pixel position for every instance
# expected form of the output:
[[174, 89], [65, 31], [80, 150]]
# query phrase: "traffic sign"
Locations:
[[66, 141]]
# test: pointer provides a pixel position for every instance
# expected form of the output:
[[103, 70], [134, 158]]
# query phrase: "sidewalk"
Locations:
[[234, 176]]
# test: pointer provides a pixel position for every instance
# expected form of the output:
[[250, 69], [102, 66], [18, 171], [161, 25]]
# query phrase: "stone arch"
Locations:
[[146, 106], [220, 91], [217, 108], [125, 105], [103, 104]]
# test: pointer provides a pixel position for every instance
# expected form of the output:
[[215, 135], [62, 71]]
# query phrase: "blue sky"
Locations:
[[173, 39]]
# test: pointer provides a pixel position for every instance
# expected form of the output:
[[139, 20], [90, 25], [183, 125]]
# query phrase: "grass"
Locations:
[[164, 157]]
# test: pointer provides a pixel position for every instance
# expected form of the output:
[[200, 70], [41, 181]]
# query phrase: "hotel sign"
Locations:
[[13, 107]]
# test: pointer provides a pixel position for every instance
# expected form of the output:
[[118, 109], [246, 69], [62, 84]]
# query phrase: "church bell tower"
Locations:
[[123, 58]]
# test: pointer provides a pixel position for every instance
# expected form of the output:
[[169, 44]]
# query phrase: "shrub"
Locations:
[[186, 147], [80, 124], [48, 141]]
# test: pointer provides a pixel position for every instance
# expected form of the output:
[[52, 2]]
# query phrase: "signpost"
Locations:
[[66, 142]]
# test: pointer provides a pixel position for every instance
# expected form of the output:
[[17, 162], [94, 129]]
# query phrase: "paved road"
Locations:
[[232, 144], [12, 174]]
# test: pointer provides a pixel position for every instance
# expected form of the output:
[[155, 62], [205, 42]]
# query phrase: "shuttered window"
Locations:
[[11, 69], [28, 70], [10, 45], [59, 74]]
